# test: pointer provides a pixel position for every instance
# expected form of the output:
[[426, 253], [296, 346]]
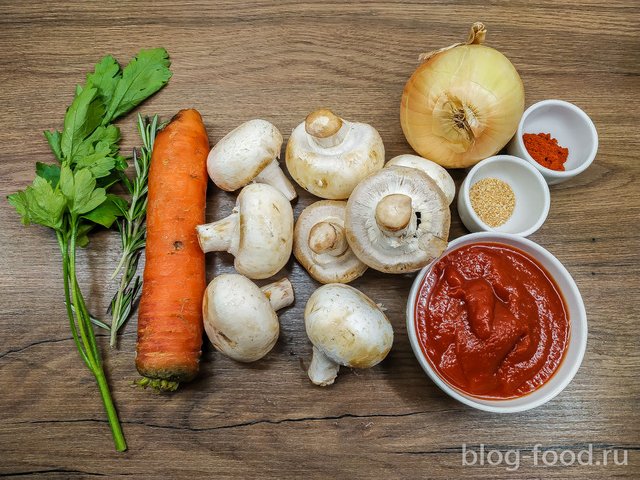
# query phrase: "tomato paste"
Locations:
[[491, 321]]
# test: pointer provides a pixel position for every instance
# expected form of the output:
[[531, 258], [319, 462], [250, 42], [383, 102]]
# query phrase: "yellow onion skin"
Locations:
[[473, 81]]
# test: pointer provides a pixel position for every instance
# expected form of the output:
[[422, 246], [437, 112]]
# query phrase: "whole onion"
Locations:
[[463, 104]]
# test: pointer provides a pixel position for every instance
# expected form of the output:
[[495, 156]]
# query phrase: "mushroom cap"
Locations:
[[438, 173], [333, 172], [265, 232], [347, 326], [324, 267], [243, 153], [410, 249], [238, 318]]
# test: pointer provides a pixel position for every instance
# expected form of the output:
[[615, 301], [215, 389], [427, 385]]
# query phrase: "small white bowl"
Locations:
[[577, 336], [528, 185], [566, 123]]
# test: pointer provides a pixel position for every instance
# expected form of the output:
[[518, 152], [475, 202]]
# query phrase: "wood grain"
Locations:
[[236, 61]]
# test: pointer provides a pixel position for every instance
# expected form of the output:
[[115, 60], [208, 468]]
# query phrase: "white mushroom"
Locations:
[[346, 328], [259, 232], [248, 154], [328, 155], [397, 220], [436, 172], [320, 243], [240, 318]]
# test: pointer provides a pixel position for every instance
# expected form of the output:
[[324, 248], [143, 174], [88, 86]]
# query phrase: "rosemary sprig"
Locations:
[[132, 229]]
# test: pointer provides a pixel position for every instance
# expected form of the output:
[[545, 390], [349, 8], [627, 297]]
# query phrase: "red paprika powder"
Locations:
[[545, 150]]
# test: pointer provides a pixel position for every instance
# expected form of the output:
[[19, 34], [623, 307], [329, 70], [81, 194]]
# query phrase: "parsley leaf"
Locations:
[[51, 173], [20, 202], [54, 138], [82, 233], [79, 189], [107, 213], [83, 116], [111, 179], [99, 162], [105, 77], [103, 136], [147, 73], [46, 205], [40, 204]]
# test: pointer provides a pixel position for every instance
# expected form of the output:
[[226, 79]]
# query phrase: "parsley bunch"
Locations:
[[71, 196]]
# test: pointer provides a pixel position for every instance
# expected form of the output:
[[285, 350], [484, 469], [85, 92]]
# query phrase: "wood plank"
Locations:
[[235, 61]]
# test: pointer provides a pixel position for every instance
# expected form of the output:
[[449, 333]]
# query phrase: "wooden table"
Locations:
[[235, 61]]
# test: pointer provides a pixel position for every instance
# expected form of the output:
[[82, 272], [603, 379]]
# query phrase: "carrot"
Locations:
[[170, 314]]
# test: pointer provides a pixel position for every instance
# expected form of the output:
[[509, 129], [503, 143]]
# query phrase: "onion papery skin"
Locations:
[[475, 77]]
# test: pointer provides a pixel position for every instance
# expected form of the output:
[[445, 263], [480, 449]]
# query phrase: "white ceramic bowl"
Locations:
[[577, 319], [566, 123], [528, 185]]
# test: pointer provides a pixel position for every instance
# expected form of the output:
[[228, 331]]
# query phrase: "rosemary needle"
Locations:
[[132, 229]]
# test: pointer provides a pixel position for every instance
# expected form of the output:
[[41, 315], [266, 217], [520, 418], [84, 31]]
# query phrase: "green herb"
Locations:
[[71, 196], [132, 230]]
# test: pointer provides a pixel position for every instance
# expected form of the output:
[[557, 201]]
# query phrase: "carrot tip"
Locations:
[[157, 384]]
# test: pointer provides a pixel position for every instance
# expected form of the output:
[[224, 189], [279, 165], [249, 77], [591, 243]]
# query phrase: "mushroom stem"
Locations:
[[326, 128], [218, 236], [322, 371], [280, 293], [393, 214], [327, 237], [273, 175]]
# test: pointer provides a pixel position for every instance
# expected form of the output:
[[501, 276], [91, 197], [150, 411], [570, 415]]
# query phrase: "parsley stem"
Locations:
[[112, 414], [89, 348], [84, 324], [64, 250]]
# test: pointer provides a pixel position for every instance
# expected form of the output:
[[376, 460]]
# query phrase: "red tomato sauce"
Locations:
[[492, 321]]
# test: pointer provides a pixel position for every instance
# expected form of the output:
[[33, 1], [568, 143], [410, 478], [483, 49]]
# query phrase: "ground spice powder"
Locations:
[[545, 150], [493, 201]]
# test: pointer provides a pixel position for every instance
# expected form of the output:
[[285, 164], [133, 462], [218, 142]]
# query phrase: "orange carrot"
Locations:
[[170, 315]]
